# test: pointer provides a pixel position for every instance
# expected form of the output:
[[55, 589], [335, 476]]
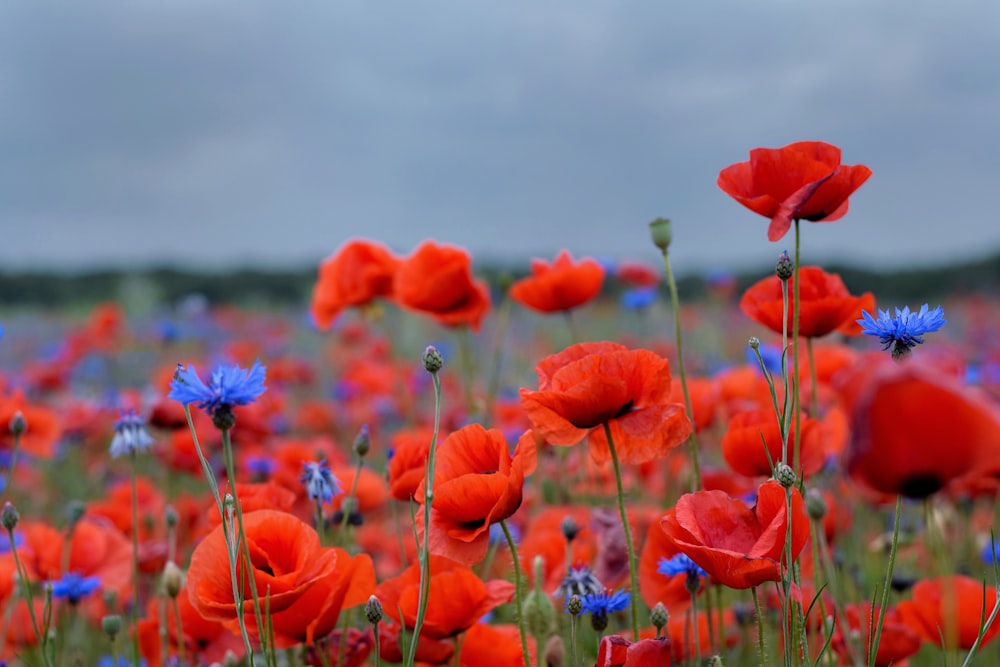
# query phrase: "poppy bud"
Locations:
[[362, 443], [785, 475], [433, 360], [555, 652], [18, 424], [111, 625], [784, 268], [173, 579], [815, 505], [754, 343], [224, 418], [539, 612], [170, 516], [661, 233], [9, 517], [659, 616], [714, 661], [74, 512], [373, 610], [569, 528]]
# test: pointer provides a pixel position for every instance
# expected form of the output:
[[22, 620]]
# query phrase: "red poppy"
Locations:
[[486, 645], [802, 181], [408, 462], [476, 483], [457, 598], [561, 285], [947, 611], [749, 431], [286, 561], [437, 280], [897, 641], [914, 432], [315, 613], [826, 303], [355, 275], [634, 274], [704, 396], [588, 385], [429, 651], [616, 651], [737, 545]]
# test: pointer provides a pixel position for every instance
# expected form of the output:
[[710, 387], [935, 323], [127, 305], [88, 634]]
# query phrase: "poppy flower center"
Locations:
[[921, 485], [604, 416]]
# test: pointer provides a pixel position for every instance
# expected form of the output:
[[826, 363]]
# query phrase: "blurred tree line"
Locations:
[[291, 288]]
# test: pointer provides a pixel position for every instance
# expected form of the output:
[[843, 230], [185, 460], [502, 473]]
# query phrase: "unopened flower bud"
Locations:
[[569, 528], [661, 233], [433, 360], [753, 342], [18, 424], [173, 579], [111, 625], [658, 616], [575, 605], [785, 475], [230, 660], [9, 516], [373, 610], [784, 268], [599, 622], [555, 652], [170, 516], [74, 512], [714, 661], [362, 443], [815, 505]]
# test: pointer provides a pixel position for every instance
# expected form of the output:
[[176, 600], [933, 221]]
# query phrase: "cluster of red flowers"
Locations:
[[769, 507]]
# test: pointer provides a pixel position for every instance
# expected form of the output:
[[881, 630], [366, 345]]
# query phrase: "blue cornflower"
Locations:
[[229, 386], [320, 483], [579, 581], [605, 602], [679, 564], [902, 332], [5, 544], [74, 587], [638, 298], [130, 435]]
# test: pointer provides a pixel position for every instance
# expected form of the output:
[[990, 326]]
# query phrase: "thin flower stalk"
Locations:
[[424, 551], [518, 592], [135, 559], [887, 584], [633, 566]]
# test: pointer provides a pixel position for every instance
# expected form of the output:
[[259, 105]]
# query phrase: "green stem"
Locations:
[[22, 576], [349, 505], [179, 630], [813, 382], [797, 309], [241, 544], [518, 592], [695, 635], [873, 646], [424, 553], [676, 306], [13, 461], [632, 564], [378, 646], [760, 627], [574, 335]]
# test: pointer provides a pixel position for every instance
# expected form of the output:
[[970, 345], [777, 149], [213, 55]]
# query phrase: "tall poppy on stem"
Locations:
[[801, 181], [437, 280], [620, 400], [355, 275]]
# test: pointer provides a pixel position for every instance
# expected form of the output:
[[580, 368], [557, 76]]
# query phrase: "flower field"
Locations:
[[420, 467]]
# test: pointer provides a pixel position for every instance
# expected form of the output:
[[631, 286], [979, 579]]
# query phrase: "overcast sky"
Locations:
[[266, 133]]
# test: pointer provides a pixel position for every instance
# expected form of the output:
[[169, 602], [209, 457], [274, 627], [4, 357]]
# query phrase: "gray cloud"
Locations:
[[224, 133]]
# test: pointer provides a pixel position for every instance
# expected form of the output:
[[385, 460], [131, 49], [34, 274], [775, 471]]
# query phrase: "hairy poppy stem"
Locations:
[[13, 460], [692, 439], [518, 592], [760, 627], [796, 313], [424, 553], [632, 564], [22, 576]]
